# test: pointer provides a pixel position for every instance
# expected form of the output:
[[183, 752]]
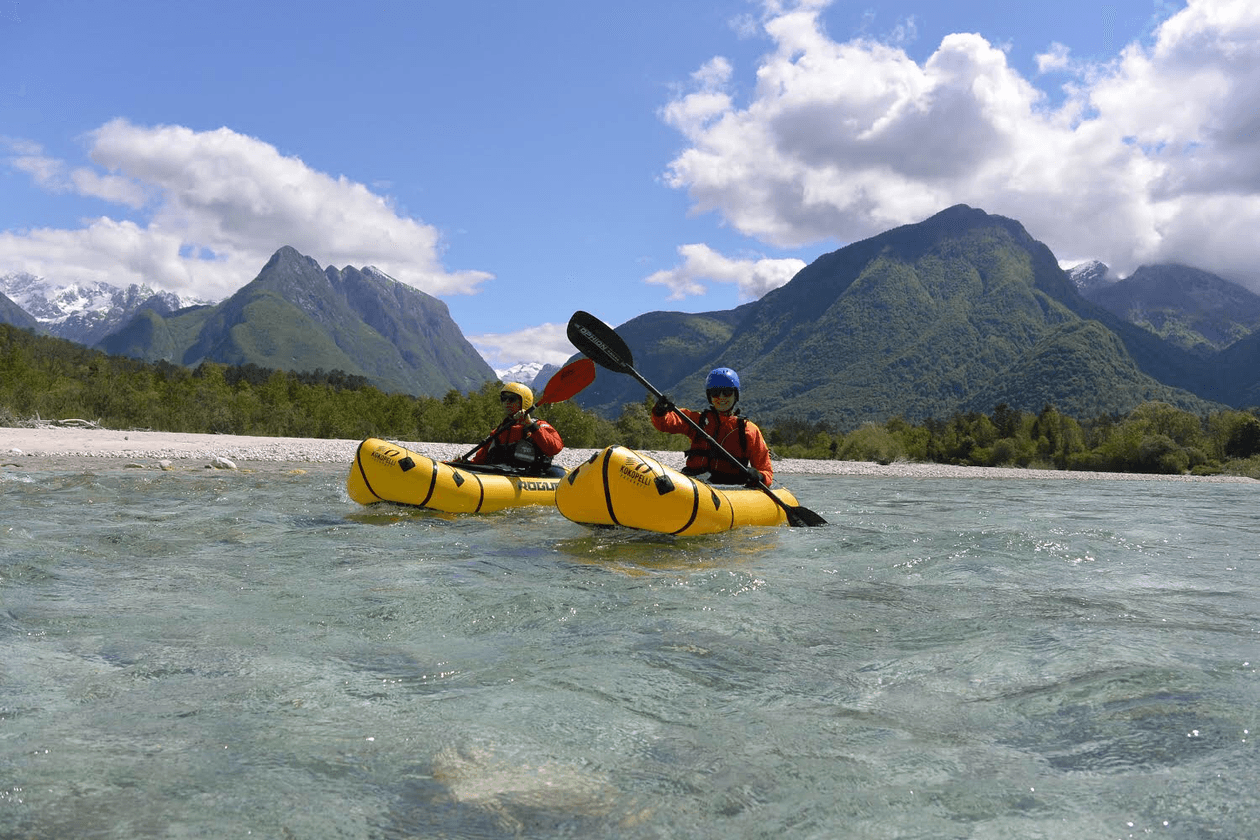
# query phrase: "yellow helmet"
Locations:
[[526, 395]]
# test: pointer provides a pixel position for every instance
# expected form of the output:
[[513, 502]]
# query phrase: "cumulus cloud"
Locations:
[[548, 343], [702, 265], [210, 208], [1148, 158]]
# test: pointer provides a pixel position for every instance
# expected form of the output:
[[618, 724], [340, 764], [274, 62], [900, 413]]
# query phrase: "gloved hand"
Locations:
[[754, 478], [663, 406]]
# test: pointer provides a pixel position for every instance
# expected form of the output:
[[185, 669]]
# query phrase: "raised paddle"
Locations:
[[562, 385], [600, 342]]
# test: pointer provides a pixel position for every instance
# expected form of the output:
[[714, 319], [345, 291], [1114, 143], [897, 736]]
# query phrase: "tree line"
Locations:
[[1153, 438], [49, 378]]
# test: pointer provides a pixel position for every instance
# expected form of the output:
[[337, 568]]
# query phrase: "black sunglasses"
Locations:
[[508, 397], [721, 392]]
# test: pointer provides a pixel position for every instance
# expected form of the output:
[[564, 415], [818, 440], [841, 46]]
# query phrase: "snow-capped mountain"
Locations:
[[1090, 275], [533, 374], [86, 312], [522, 372]]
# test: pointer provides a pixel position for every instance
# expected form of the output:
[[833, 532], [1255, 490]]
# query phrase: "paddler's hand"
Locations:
[[663, 406], [530, 424]]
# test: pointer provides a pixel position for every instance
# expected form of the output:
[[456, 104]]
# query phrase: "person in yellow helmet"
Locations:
[[520, 440]]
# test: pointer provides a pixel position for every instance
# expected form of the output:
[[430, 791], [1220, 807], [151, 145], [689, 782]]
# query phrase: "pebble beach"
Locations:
[[70, 448]]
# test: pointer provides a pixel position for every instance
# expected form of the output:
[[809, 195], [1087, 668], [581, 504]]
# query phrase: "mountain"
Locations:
[[956, 313], [296, 316], [1194, 309], [1089, 276], [11, 313], [522, 372], [85, 312], [543, 376], [1234, 372]]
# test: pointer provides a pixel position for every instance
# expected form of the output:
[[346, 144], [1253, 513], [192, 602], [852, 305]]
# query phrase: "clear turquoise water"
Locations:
[[214, 654]]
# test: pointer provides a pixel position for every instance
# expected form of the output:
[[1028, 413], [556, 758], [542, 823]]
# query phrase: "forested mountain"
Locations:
[[1235, 373], [956, 313], [295, 316], [1194, 309]]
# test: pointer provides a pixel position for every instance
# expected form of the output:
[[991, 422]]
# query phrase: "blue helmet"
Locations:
[[722, 377]]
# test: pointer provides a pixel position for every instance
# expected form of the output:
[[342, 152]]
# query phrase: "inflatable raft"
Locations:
[[386, 472], [620, 486]]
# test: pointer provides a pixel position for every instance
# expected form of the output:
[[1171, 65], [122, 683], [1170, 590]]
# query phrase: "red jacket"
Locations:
[[545, 439], [725, 430]]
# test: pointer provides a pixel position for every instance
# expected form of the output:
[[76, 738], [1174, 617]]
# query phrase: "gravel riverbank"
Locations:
[[83, 448]]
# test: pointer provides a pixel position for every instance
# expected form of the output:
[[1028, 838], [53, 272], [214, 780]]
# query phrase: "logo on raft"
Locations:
[[549, 486], [389, 456], [637, 472]]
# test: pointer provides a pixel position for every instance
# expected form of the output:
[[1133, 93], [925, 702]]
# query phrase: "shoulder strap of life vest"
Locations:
[[700, 446]]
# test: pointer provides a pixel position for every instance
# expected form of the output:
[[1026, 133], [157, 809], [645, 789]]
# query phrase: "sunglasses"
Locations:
[[509, 398], [721, 392]]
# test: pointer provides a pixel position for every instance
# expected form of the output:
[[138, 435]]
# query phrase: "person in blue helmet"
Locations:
[[721, 420]]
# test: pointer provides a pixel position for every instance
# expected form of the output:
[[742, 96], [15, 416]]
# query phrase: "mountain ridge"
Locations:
[[1193, 309], [922, 321], [86, 312], [296, 315], [958, 312]]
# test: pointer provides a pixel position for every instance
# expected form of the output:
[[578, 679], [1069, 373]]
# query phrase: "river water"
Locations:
[[206, 654]]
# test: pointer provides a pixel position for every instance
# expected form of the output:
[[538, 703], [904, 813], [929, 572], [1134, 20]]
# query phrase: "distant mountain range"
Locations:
[[1193, 309], [81, 312], [296, 316], [960, 312]]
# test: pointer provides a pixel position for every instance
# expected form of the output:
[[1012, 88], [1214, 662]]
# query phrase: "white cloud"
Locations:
[[1058, 57], [548, 343], [217, 192], [700, 263], [1149, 158]]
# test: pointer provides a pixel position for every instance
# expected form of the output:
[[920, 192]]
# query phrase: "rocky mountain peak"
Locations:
[[1091, 275]]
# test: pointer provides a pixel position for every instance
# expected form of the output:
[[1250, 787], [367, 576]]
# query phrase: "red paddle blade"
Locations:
[[568, 381]]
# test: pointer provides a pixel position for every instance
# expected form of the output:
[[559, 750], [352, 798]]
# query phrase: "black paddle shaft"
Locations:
[[600, 342]]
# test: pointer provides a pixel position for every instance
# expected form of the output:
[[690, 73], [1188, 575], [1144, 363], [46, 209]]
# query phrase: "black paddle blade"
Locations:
[[802, 517], [598, 342]]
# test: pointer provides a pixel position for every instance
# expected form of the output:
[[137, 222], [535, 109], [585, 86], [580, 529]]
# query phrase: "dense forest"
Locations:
[[47, 378]]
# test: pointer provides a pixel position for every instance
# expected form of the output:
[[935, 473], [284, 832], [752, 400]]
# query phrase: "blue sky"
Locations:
[[523, 160]]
